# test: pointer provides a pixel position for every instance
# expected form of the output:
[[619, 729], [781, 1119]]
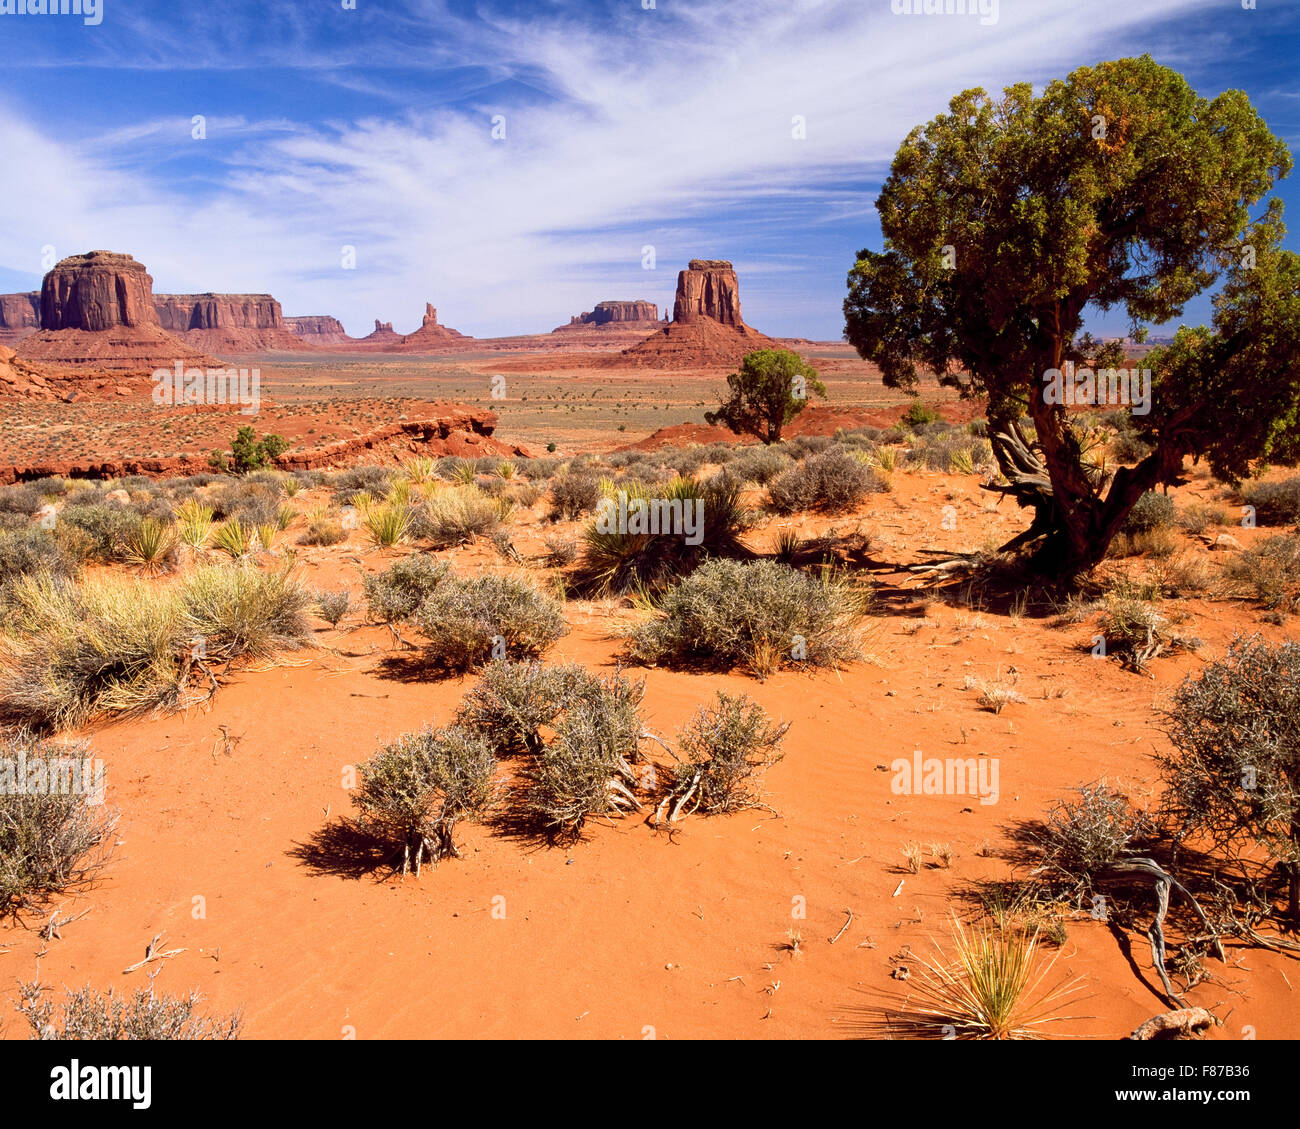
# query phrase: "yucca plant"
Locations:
[[787, 545], [291, 485], [266, 536], [961, 461], [420, 469], [505, 469], [887, 459], [194, 523], [620, 559], [399, 493], [992, 987], [362, 501], [150, 544], [387, 524], [233, 537], [463, 472], [284, 517]]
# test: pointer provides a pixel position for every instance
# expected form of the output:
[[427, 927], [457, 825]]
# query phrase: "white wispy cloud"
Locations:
[[656, 127]]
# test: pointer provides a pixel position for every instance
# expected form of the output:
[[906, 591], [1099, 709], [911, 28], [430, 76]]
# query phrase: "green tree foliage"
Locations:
[[1117, 187], [248, 452], [771, 388]]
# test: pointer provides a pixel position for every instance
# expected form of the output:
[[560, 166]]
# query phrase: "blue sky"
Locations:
[[624, 127]]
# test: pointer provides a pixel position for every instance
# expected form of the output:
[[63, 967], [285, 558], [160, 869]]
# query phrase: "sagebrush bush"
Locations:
[[832, 482], [456, 516], [346, 484], [585, 772], [1153, 510], [241, 612], [723, 748], [107, 526], [1231, 779], [333, 606], [415, 791], [758, 614], [1276, 503], [247, 501], [1269, 572], [512, 701], [468, 621], [1081, 837], [28, 551], [759, 465], [54, 830], [573, 495], [89, 1014], [394, 594], [21, 499]]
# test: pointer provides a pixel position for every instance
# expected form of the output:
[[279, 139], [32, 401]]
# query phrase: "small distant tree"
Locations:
[[248, 452], [1234, 777], [771, 388]]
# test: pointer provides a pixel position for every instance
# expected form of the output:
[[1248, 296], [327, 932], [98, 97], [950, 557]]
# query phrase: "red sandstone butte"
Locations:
[[706, 329], [97, 311], [318, 329], [20, 316], [227, 323]]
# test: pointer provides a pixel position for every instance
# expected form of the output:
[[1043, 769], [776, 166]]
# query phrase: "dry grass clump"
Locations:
[[758, 614], [415, 791], [457, 515], [54, 831], [1136, 632], [116, 646], [89, 1014], [993, 986], [1276, 503], [1269, 572]]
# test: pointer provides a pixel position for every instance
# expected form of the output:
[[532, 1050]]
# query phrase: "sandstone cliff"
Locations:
[[20, 316], [318, 329]]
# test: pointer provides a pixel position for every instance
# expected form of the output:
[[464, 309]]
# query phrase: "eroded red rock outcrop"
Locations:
[[97, 311], [318, 329], [708, 288], [431, 335], [457, 430], [227, 323], [619, 314], [20, 316]]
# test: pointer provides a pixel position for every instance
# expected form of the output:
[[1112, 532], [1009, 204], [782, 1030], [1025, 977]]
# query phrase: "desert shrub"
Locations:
[[22, 499], [585, 771], [1231, 779], [918, 415], [54, 831], [253, 503], [723, 748], [394, 594], [758, 614], [1080, 838], [323, 531], [801, 446], [561, 551], [333, 606], [1269, 572], [88, 1014], [1153, 510], [28, 551], [694, 522], [540, 468], [415, 791], [573, 494], [832, 482], [1196, 518], [468, 621], [1136, 632], [346, 484], [248, 452], [760, 465], [523, 492], [107, 526], [1159, 542], [1128, 447], [456, 516], [1276, 503], [512, 701], [686, 461]]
